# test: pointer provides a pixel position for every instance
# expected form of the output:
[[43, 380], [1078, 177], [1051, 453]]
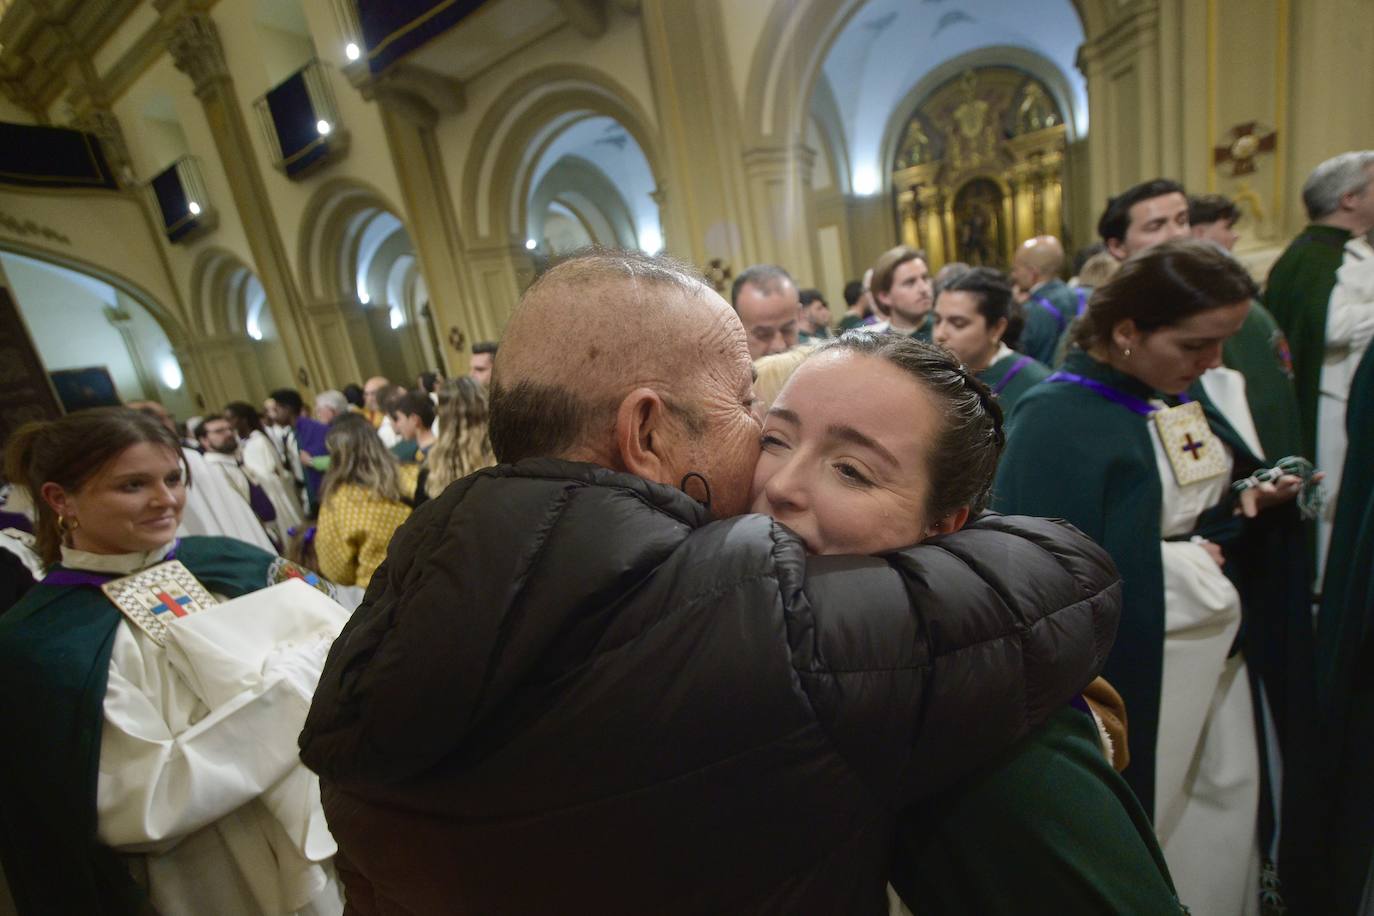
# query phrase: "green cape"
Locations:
[[1345, 651], [1044, 330], [1073, 454], [1030, 375], [1011, 838], [55, 647], [1259, 351], [1297, 293]]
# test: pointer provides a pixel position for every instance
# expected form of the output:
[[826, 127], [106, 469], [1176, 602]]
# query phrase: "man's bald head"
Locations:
[[592, 330], [1037, 261]]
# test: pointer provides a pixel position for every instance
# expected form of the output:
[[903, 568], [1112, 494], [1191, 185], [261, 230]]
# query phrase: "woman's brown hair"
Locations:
[[70, 451], [963, 460], [1163, 286]]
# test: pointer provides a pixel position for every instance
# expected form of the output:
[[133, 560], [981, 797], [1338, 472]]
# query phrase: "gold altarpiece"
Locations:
[[980, 168]]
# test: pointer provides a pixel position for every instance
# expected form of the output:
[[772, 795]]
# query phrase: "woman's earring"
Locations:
[[1126, 352], [66, 524]]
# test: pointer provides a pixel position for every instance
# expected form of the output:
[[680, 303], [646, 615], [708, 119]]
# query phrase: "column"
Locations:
[[685, 45], [410, 102], [194, 45], [779, 180]]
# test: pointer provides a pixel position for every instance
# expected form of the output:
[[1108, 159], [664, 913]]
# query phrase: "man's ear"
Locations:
[[641, 436], [950, 523], [1117, 248]]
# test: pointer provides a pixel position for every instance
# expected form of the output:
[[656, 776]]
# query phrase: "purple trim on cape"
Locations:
[[1115, 395], [1015, 369], [61, 576]]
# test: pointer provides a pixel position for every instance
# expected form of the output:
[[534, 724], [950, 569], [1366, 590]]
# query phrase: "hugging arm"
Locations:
[[927, 663]]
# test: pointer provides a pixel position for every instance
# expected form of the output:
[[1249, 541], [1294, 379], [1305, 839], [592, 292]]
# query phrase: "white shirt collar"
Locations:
[[119, 563]]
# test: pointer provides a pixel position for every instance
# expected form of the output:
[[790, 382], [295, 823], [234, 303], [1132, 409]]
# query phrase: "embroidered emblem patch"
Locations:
[[1282, 352], [283, 569], [157, 597], [1194, 452]]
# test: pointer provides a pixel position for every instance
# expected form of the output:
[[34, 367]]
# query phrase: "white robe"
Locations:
[[199, 780], [1349, 328], [1207, 777], [263, 464], [213, 508]]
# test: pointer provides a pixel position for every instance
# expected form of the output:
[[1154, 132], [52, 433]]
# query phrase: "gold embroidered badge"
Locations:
[[158, 596]]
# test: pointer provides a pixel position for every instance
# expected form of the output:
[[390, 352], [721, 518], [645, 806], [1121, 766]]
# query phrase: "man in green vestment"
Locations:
[[1339, 197], [902, 285], [1345, 653], [1052, 306], [1259, 350]]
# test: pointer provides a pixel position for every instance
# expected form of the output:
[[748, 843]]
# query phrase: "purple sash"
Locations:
[[95, 579], [1015, 369], [1048, 306], [1116, 396]]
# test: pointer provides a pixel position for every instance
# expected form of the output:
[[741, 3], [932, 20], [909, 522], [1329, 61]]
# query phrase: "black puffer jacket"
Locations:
[[567, 692]]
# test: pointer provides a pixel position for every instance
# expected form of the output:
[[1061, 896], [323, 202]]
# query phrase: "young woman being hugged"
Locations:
[[363, 500], [152, 755], [1124, 444]]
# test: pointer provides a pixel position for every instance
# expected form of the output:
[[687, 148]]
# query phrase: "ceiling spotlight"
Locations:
[[351, 51], [324, 127], [194, 208]]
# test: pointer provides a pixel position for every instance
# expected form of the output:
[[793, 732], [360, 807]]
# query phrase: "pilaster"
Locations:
[[410, 102], [780, 196], [194, 45], [709, 217]]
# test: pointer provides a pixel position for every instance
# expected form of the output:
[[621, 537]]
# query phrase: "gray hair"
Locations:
[[767, 278], [1335, 178], [332, 399]]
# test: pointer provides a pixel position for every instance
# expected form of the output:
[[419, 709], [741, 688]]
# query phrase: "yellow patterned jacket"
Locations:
[[355, 527]]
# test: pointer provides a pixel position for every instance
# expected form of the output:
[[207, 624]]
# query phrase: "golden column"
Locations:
[[194, 45]]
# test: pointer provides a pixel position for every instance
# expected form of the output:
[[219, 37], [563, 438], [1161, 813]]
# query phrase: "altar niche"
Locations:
[[979, 168]]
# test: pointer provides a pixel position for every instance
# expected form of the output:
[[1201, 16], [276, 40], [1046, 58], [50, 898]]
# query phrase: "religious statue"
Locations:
[[970, 141], [916, 146], [1036, 112]]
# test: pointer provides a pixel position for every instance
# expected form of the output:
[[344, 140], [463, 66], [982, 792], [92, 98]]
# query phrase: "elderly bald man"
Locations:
[[583, 681], [1052, 305]]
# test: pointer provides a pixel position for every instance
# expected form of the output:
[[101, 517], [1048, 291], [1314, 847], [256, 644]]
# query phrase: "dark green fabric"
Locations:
[[1346, 651], [1030, 375], [849, 322], [1297, 293], [1259, 351], [1043, 331], [804, 337], [55, 647], [926, 331], [406, 451], [1050, 828], [1073, 454]]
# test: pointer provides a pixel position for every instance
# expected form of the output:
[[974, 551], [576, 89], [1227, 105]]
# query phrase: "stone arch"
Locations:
[[176, 329], [521, 124], [794, 44], [598, 203], [329, 219]]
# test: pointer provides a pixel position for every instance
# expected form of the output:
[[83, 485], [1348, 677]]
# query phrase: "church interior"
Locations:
[[257, 193], [333, 212]]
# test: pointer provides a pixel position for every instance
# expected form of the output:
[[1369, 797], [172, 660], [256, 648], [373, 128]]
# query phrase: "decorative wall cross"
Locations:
[[1242, 144]]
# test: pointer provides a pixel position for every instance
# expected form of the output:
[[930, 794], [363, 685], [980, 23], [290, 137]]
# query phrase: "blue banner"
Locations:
[[394, 28], [52, 157]]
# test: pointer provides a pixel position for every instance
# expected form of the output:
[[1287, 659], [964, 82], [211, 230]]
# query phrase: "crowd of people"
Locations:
[[997, 592]]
